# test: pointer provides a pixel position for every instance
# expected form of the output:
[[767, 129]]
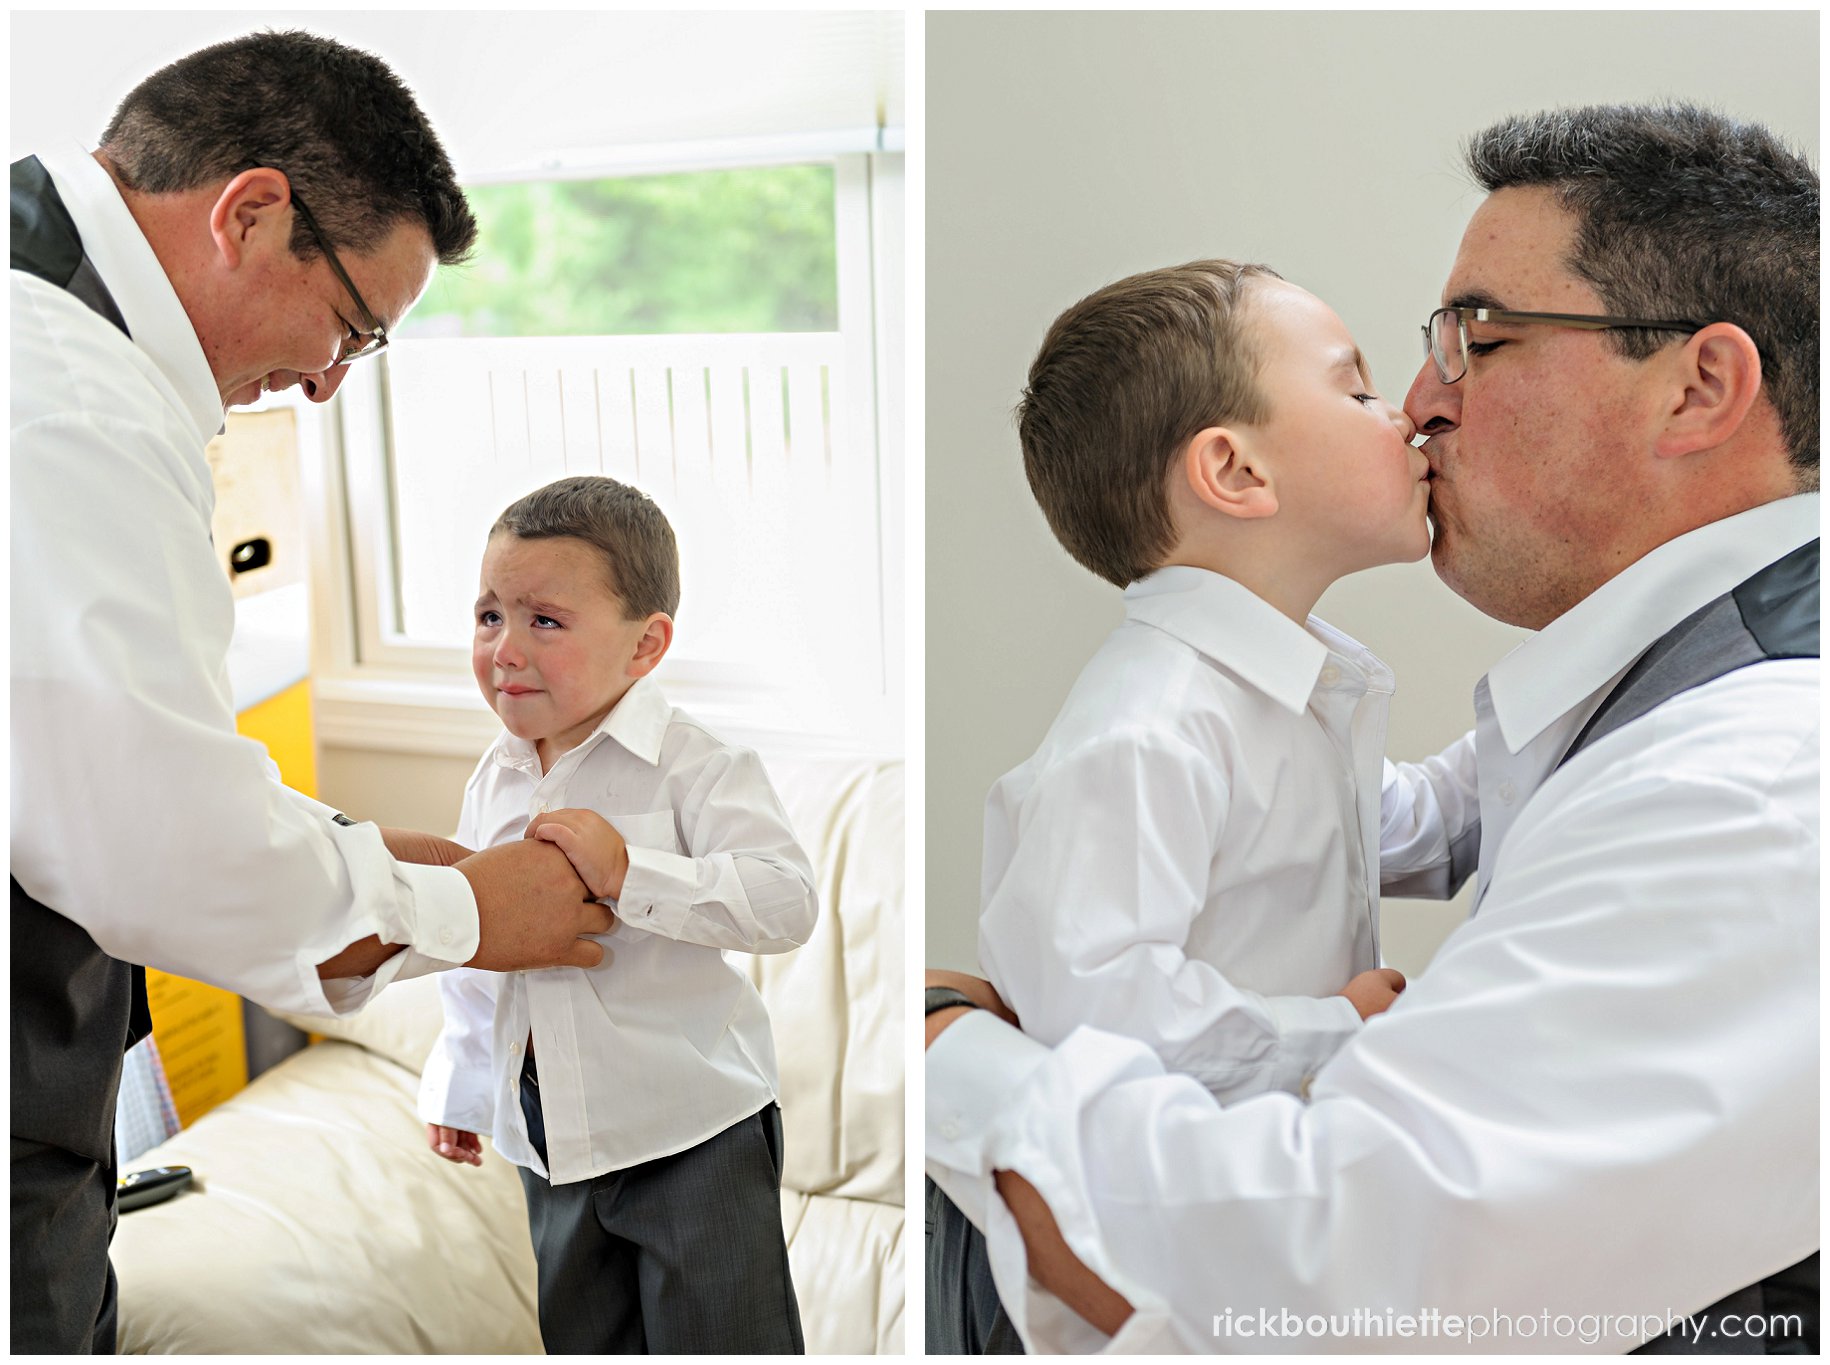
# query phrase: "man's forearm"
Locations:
[[359, 959], [1053, 1264]]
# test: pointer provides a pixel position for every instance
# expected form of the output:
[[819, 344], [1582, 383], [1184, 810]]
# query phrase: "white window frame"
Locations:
[[374, 690]]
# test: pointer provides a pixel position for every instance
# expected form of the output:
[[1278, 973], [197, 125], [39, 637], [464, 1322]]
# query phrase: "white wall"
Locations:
[[1067, 150]]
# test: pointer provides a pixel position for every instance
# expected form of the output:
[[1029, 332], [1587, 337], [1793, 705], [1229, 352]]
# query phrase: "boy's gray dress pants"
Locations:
[[681, 1254]]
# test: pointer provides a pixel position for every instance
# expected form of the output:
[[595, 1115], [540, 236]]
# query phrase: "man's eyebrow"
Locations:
[[1474, 298]]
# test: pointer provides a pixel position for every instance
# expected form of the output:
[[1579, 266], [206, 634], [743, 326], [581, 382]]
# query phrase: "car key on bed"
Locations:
[[141, 1188]]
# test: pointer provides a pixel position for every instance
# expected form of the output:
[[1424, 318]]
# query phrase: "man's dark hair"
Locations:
[[1123, 380], [337, 122], [641, 561], [1684, 213]]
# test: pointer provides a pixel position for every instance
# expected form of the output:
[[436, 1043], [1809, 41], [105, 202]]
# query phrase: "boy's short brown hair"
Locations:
[[622, 522], [1124, 378]]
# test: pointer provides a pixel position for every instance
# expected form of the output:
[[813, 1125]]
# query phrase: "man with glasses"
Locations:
[[169, 275], [1599, 1105]]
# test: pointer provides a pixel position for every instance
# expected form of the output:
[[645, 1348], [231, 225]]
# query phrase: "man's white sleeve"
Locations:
[[137, 812], [1600, 1100]]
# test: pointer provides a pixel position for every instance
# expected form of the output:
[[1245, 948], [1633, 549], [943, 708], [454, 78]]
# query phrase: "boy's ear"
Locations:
[[1716, 381], [657, 635], [1222, 473]]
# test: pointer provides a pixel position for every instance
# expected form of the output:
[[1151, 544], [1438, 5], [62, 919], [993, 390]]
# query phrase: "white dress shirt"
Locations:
[[1601, 1098], [664, 1044], [1190, 857], [137, 812]]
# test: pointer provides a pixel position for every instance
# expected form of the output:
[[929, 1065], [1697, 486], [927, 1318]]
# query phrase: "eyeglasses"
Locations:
[[1445, 335], [356, 344]]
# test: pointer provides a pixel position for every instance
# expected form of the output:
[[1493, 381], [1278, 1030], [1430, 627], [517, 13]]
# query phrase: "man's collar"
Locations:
[[124, 259], [638, 722], [1574, 656], [1237, 629]]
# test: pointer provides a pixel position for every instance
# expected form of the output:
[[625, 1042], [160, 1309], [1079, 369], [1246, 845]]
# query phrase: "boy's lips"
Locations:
[[516, 690]]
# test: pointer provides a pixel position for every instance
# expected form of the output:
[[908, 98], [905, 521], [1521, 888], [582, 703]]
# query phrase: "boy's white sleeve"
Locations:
[[744, 884], [457, 1086], [1430, 823], [1089, 923]]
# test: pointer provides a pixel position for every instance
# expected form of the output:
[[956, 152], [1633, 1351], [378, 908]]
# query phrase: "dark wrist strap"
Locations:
[[946, 998]]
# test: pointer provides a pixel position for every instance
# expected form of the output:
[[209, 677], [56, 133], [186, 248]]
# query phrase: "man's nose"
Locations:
[[319, 387], [1431, 405]]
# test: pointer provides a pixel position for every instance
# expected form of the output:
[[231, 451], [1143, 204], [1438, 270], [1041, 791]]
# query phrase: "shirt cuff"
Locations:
[[1310, 1031], [973, 1069], [444, 919], [658, 890]]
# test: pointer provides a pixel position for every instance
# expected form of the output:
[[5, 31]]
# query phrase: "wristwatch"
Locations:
[[946, 998]]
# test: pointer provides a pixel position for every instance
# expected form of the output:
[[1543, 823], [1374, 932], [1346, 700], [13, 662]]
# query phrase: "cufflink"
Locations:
[[342, 819]]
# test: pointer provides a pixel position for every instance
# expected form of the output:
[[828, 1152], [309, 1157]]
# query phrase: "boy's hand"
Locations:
[[1373, 992], [455, 1145], [597, 852]]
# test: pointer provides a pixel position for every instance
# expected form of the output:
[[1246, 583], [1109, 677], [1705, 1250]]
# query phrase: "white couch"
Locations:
[[320, 1222]]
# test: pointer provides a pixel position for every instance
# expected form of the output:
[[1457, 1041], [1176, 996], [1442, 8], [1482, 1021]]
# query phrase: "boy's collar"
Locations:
[[638, 722], [1236, 628]]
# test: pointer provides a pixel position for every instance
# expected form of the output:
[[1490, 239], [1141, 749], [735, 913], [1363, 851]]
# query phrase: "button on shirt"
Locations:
[[137, 811], [665, 1043], [1601, 1098], [1190, 858]]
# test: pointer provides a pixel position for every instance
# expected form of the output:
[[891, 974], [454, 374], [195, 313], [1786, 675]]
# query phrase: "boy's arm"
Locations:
[[744, 884], [1111, 862], [457, 1085], [1430, 823]]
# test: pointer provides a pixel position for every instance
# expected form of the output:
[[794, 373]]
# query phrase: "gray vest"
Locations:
[[1773, 615], [75, 1010]]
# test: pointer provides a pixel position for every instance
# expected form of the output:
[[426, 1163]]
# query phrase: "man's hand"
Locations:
[[455, 1144], [411, 846], [592, 845], [532, 909], [1053, 1264], [976, 989], [1373, 992]]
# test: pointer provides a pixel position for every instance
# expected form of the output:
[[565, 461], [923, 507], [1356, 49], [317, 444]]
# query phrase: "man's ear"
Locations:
[[1223, 473], [1716, 382], [657, 635], [251, 208]]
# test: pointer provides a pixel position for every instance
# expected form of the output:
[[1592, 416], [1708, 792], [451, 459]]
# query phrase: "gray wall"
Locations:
[[1067, 150]]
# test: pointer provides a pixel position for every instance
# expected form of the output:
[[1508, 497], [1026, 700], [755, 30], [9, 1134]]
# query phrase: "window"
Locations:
[[714, 337]]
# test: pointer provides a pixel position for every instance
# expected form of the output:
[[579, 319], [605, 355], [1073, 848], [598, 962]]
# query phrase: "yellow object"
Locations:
[[283, 724], [201, 1040]]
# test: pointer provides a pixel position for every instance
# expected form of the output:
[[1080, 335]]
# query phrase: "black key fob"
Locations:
[[141, 1188]]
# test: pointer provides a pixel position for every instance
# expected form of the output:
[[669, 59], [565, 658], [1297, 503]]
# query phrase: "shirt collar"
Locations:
[[156, 320], [1234, 627], [638, 722], [1573, 657]]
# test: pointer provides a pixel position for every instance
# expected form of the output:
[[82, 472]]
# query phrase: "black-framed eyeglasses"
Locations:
[[1445, 335], [356, 344]]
